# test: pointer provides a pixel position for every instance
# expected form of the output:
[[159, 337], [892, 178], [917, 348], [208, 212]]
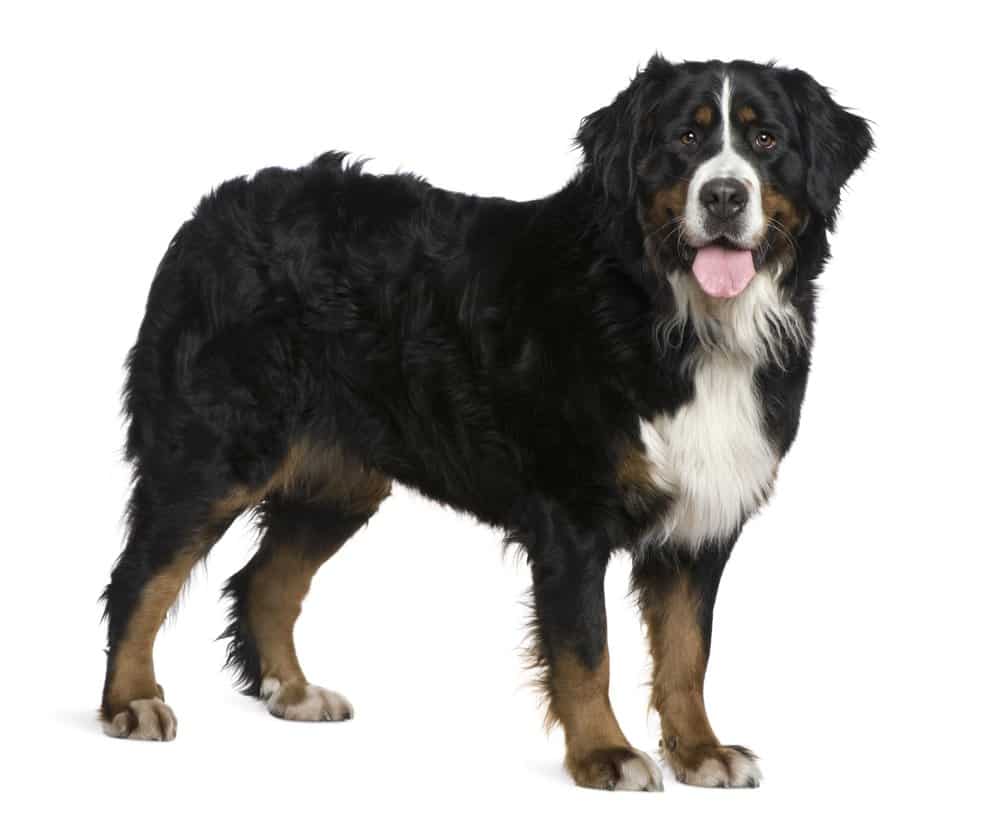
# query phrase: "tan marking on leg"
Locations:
[[236, 502], [580, 702], [311, 474], [633, 468], [597, 753], [276, 591], [688, 744], [679, 661], [314, 473], [132, 677], [327, 474]]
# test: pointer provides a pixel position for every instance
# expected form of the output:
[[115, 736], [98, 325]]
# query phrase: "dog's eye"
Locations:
[[765, 140], [688, 138]]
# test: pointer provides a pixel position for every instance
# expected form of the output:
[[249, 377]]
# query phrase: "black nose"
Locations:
[[724, 197]]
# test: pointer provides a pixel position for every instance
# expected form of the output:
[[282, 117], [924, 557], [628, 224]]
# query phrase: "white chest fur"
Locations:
[[713, 454]]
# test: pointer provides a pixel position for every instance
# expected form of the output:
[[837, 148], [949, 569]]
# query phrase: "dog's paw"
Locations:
[[303, 701], [615, 769], [714, 766], [146, 719]]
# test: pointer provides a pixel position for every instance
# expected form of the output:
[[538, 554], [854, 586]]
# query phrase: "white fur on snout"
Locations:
[[727, 163]]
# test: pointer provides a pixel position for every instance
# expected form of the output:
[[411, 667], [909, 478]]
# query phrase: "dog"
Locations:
[[617, 367]]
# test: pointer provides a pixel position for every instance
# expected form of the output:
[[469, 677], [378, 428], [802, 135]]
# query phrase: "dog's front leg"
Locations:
[[676, 593], [568, 586]]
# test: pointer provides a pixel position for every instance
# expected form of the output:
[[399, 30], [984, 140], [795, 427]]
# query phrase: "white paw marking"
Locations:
[[150, 719], [640, 773], [742, 771], [308, 704]]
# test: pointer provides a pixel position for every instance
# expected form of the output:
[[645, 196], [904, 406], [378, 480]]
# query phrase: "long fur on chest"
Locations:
[[713, 454]]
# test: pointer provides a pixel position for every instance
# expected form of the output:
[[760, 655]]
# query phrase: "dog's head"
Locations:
[[724, 165]]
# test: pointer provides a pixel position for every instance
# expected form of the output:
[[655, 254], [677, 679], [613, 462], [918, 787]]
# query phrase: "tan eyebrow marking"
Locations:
[[703, 116], [746, 114]]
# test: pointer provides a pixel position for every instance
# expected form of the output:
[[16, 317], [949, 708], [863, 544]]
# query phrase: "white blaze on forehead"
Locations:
[[727, 163]]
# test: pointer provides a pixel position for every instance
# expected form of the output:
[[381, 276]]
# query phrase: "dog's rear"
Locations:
[[214, 400]]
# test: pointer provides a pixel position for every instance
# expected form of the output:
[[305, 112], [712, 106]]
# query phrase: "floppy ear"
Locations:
[[836, 141], [607, 139], [610, 138]]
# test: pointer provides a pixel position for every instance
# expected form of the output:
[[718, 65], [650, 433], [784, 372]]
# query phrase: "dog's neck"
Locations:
[[761, 324]]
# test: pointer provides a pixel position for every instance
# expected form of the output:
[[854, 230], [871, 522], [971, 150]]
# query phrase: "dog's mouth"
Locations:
[[722, 269]]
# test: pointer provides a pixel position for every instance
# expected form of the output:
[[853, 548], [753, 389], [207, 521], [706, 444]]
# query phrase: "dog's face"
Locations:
[[724, 165]]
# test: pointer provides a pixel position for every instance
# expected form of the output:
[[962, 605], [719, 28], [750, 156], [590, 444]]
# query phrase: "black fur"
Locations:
[[498, 356]]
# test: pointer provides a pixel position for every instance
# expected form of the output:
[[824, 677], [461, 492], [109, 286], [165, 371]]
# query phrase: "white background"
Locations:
[[856, 625]]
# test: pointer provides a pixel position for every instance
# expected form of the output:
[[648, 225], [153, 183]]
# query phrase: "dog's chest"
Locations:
[[713, 454]]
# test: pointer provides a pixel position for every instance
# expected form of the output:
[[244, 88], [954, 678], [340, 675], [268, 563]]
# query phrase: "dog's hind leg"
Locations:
[[317, 506], [168, 534]]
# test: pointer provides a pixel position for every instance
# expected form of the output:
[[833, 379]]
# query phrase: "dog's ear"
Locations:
[[606, 140], [610, 138], [835, 141]]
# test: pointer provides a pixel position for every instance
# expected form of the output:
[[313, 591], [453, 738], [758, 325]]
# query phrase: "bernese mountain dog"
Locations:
[[619, 366]]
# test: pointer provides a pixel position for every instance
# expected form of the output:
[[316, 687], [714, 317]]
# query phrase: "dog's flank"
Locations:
[[618, 366]]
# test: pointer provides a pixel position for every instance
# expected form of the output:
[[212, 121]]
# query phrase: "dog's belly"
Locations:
[[713, 455]]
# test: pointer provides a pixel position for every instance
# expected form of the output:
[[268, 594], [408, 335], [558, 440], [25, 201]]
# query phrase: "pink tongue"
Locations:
[[723, 272]]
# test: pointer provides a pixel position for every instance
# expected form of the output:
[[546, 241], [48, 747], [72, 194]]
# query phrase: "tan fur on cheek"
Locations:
[[668, 204], [778, 207]]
